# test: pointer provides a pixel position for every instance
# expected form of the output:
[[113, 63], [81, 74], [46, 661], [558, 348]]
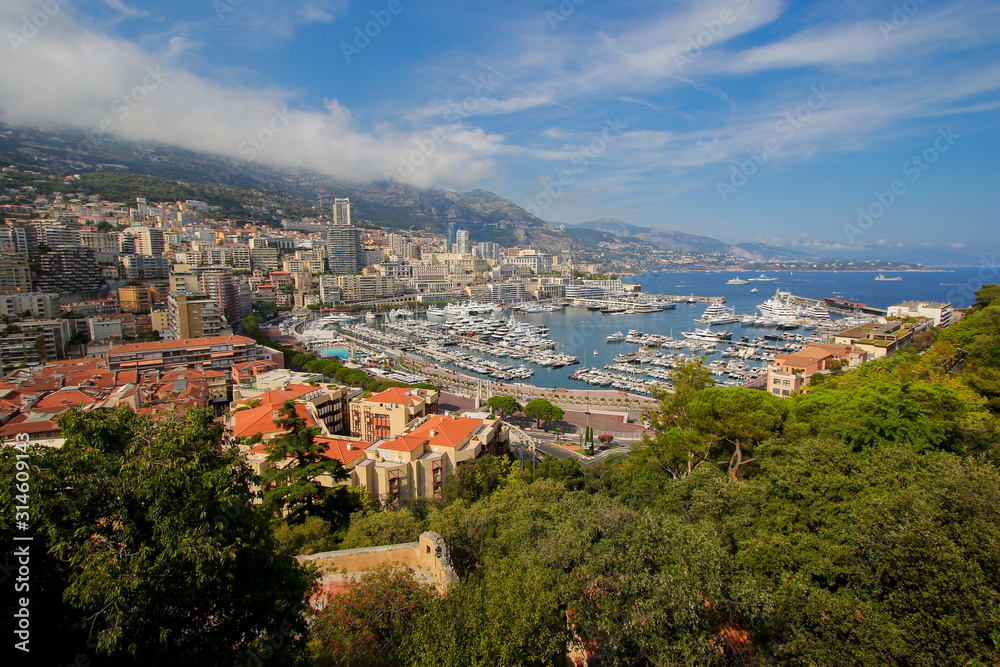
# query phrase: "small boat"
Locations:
[[595, 353], [754, 290]]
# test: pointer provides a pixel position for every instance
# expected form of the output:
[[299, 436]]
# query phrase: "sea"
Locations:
[[583, 333]]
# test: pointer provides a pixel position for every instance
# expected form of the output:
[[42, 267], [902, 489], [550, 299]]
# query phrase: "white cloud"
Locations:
[[69, 76]]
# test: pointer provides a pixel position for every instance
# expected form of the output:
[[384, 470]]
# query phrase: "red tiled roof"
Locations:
[[398, 395], [129, 348], [261, 419], [403, 443], [337, 448], [448, 431]]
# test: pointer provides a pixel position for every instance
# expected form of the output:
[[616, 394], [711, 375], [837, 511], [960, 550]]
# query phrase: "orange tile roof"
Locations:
[[183, 342], [398, 395], [448, 431], [261, 419], [24, 423], [403, 443], [337, 448]]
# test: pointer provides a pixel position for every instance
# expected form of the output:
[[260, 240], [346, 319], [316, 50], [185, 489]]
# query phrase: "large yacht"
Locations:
[[716, 313], [778, 311], [707, 335], [737, 281], [762, 278]]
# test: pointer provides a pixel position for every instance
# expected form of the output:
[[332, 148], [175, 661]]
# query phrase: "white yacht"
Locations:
[[616, 337], [707, 335], [818, 311], [716, 313], [777, 309], [737, 281], [762, 278]]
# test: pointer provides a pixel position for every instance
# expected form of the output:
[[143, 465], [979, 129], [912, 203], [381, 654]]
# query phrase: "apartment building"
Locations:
[[790, 373], [388, 413], [38, 304], [194, 315], [217, 352], [415, 464], [135, 299]]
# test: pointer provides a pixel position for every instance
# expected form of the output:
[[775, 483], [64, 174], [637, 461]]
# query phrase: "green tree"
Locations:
[[543, 411], [505, 405], [732, 421], [148, 546], [293, 482], [376, 529], [366, 625]]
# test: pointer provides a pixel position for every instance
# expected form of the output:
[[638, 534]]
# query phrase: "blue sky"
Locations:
[[791, 123]]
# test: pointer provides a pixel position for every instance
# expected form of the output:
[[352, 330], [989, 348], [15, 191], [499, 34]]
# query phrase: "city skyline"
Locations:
[[814, 126]]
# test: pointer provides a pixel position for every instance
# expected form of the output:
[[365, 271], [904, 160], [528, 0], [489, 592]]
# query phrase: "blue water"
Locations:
[[581, 332]]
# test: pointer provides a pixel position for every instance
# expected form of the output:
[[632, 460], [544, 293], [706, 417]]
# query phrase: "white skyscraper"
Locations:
[[462, 241], [342, 211]]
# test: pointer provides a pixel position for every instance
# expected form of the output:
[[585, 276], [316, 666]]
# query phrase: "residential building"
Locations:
[[15, 276], [145, 267], [105, 328], [939, 312], [21, 237], [462, 241], [323, 407], [218, 285], [193, 315], [329, 289], [416, 463], [57, 235], [55, 335], [372, 256], [69, 268], [877, 340], [217, 352], [535, 261], [790, 373], [183, 279], [513, 292], [135, 299], [38, 304], [264, 258], [364, 288], [390, 412], [148, 240], [342, 211], [343, 249]]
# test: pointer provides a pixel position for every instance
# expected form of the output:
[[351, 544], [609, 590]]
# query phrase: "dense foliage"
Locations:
[[855, 524], [148, 548]]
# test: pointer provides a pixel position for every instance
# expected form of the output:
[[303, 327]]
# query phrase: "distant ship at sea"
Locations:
[[881, 277], [737, 281], [762, 278]]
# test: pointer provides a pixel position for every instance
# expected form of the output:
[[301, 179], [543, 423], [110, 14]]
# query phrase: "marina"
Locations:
[[577, 343]]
